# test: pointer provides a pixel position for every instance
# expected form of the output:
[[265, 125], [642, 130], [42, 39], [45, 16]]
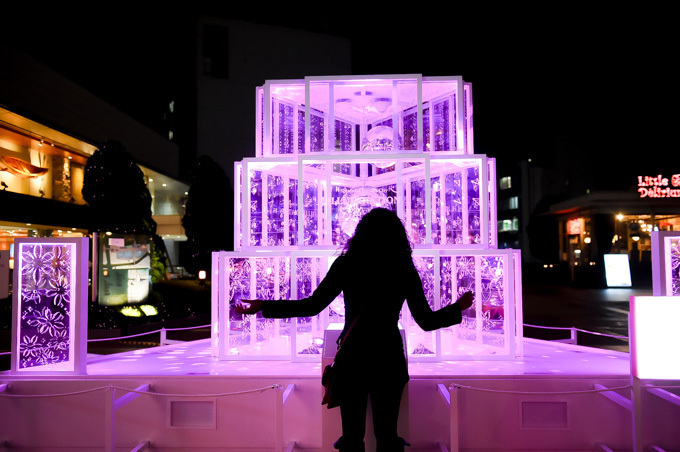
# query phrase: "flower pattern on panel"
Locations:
[[46, 297]]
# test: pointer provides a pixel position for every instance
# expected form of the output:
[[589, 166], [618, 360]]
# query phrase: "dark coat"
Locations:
[[376, 291]]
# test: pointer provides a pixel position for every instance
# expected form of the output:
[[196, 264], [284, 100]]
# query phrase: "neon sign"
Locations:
[[575, 226], [657, 186]]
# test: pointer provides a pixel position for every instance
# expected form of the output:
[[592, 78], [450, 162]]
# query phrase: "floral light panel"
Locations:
[[328, 150], [49, 315]]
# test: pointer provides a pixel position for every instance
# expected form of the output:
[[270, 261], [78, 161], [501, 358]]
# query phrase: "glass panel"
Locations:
[[436, 208], [276, 211], [440, 124], [273, 203], [410, 132], [473, 206], [344, 136], [422, 343], [483, 329], [261, 278], [285, 122], [313, 218], [454, 208], [301, 131], [464, 275], [293, 212], [493, 300], [439, 96], [418, 214], [309, 330], [317, 132]]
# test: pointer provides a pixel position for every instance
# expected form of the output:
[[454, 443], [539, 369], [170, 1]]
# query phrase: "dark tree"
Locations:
[[119, 200], [115, 190], [208, 217]]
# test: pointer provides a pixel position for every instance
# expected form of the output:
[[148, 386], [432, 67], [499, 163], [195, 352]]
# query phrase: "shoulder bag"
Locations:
[[330, 396]]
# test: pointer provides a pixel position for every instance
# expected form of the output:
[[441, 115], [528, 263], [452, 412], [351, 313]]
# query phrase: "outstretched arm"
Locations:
[[329, 288], [428, 319]]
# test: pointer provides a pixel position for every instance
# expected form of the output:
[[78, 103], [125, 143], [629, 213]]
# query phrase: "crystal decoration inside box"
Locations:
[[329, 149]]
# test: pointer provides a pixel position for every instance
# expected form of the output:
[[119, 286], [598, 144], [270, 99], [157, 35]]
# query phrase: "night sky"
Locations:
[[592, 86]]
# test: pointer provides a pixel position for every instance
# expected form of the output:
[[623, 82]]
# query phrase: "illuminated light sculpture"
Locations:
[[328, 149], [49, 311]]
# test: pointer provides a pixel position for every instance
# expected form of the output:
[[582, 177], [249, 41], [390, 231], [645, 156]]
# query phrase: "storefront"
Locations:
[[620, 223], [41, 180]]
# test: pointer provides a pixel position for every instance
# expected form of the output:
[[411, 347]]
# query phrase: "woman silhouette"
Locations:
[[376, 274]]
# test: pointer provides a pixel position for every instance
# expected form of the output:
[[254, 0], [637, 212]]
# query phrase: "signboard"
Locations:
[[658, 186], [575, 226], [124, 273], [617, 270]]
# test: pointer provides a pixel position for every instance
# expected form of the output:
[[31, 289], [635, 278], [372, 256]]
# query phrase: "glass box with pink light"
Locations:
[[328, 150]]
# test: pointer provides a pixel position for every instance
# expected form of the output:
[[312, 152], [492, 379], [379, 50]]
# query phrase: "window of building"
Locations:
[[511, 203], [508, 225], [505, 182]]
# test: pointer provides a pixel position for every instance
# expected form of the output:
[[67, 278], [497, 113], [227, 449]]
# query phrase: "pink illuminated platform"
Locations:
[[548, 397]]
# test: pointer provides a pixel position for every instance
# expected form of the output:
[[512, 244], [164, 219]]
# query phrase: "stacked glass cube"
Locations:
[[330, 149]]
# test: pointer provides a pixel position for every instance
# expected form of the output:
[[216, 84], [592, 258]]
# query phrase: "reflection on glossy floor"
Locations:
[[194, 358]]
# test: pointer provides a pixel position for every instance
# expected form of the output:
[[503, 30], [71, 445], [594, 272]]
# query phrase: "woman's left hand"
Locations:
[[248, 306], [465, 301]]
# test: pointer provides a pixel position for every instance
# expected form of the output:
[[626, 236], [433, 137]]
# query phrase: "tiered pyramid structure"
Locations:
[[329, 149]]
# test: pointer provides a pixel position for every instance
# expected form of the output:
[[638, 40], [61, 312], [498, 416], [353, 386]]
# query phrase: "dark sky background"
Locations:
[[588, 85]]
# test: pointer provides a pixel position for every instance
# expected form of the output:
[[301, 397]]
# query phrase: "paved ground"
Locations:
[[602, 311]]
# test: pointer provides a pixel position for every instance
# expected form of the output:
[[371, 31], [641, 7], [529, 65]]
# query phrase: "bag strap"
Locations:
[[343, 337]]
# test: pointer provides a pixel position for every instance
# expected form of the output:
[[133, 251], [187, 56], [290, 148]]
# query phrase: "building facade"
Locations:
[[49, 127]]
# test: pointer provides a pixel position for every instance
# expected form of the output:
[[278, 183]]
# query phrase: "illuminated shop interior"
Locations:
[[634, 232], [630, 235], [46, 166]]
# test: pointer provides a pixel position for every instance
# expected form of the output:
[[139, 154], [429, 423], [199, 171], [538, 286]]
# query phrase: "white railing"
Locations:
[[573, 339]]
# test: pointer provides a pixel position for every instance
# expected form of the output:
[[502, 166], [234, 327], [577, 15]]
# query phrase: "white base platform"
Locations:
[[543, 401]]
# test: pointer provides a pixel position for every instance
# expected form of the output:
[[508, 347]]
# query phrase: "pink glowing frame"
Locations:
[[653, 332], [325, 114], [50, 301], [666, 263], [459, 191], [492, 329]]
